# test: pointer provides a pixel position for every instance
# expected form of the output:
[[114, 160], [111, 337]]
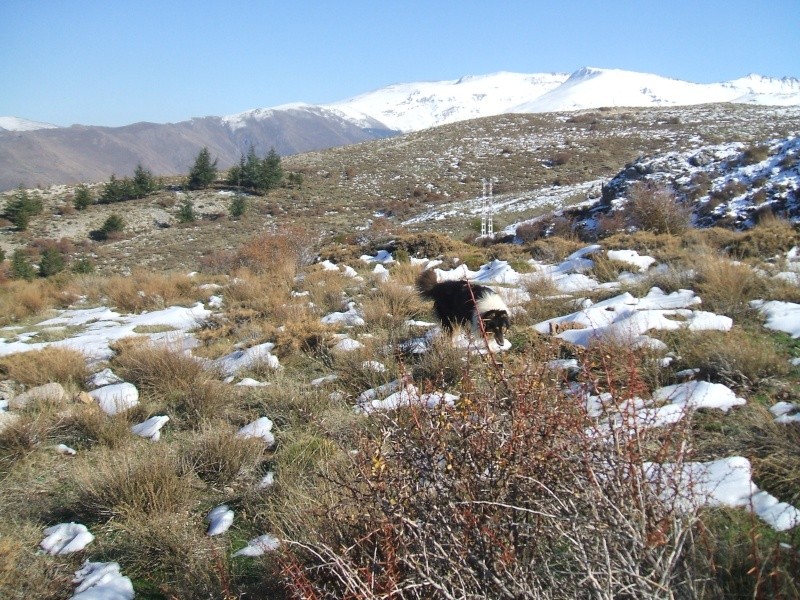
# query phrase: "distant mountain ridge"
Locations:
[[34, 153]]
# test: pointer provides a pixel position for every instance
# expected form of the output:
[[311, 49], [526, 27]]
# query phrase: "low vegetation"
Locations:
[[512, 489]]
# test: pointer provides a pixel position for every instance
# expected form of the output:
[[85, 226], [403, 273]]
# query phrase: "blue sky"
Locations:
[[109, 62]]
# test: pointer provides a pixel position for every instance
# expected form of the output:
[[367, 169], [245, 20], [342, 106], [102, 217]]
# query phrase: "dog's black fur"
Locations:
[[463, 303]]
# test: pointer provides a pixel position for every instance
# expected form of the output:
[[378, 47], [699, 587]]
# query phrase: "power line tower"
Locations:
[[487, 209]]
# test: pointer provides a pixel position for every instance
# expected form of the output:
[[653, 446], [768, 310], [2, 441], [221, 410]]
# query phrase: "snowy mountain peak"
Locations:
[[18, 124]]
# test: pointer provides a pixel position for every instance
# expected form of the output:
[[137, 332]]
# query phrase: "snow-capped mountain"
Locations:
[[17, 124], [38, 153], [415, 106], [593, 88]]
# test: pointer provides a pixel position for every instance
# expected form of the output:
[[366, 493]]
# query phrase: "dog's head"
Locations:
[[496, 322]]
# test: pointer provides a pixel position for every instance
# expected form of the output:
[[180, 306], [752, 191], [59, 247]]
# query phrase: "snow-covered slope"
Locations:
[[416, 106], [593, 88], [299, 109], [17, 124]]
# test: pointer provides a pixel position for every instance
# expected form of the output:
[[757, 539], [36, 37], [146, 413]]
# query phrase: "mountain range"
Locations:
[[39, 154]]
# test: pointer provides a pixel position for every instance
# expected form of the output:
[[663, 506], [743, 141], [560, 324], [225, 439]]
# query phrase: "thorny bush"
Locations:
[[513, 492]]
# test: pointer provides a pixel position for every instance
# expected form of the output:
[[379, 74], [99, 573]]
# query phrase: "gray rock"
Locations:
[[52, 393]]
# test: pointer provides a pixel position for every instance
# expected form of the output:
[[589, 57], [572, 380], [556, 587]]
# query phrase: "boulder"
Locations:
[[52, 393]]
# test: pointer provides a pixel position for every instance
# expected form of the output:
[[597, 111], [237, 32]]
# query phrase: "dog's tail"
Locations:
[[426, 281]]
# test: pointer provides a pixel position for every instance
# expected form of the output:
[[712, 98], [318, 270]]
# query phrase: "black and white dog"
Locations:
[[463, 303]]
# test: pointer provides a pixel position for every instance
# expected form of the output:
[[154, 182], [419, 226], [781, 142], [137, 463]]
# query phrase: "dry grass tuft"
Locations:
[[51, 364], [173, 555], [770, 237], [390, 305], [740, 359], [158, 369], [554, 249], [405, 273], [145, 290], [306, 334], [218, 456], [546, 301], [128, 483], [727, 287], [21, 299], [327, 289], [85, 425], [23, 437], [25, 573]]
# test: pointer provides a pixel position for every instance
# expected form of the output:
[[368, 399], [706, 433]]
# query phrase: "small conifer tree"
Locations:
[[83, 199], [238, 206], [112, 225], [143, 182], [203, 173], [186, 211], [51, 262], [20, 267], [82, 266], [22, 207]]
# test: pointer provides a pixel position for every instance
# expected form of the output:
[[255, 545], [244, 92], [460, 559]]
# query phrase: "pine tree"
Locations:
[[203, 173], [51, 262], [143, 182], [235, 173], [186, 211], [20, 267], [83, 198], [238, 206], [271, 171], [22, 207], [113, 224], [251, 171]]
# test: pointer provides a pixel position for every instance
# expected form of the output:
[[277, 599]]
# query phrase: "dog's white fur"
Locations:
[[492, 301]]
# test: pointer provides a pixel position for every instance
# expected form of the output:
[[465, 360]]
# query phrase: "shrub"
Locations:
[[655, 208], [505, 495], [561, 158], [112, 227], [51, 262], [755, 154], [22, 207], [20, 267], [82, 266], [186, 212], [83, 198]]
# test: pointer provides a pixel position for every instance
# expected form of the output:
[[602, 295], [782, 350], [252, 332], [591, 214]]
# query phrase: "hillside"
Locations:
[[424, 181], [265, 407], [38, 154]]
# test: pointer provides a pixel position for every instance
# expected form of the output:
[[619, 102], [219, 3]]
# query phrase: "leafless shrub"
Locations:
[[510, 494], [655, 208]]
